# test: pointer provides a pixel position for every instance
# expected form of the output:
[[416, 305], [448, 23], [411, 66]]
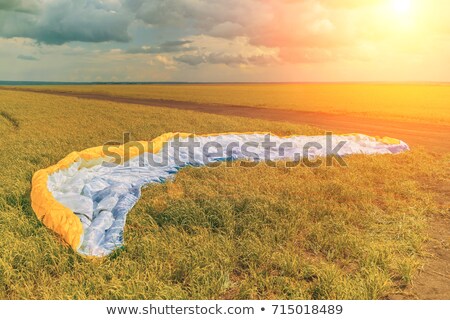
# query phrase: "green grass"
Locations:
[[225, 233]]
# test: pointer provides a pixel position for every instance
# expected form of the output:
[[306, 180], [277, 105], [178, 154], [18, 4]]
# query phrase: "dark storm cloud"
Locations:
[[28, 6], [63, 21], [191, 59], [204, 17]]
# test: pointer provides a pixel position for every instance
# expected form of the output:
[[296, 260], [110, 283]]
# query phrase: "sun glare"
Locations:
[[401, 6]]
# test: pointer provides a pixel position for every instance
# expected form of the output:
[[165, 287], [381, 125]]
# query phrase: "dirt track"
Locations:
[[435, 137]]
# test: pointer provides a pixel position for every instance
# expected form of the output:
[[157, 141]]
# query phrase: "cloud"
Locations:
[[304, 31], [234, 52], [349, 4], [163, 61], [176, 43], [27, 6], [191, 59], [62, 21], [204, 49], [226, 59], [27, 57], [227, 29], [291, 26], [218, 34], [189, 13], [166, 47], [219, 17]]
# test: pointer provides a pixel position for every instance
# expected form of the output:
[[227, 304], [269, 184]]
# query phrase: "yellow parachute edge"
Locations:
[[56, 216]]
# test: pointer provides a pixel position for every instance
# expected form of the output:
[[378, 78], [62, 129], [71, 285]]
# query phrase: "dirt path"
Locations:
[[433, 281], [435, 136]]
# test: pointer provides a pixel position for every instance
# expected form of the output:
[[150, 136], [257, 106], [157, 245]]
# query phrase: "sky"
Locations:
[[225, 40]]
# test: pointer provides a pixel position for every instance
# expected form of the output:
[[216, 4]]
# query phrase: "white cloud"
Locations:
[[234, 52]]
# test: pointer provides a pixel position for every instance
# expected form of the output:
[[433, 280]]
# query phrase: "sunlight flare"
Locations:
[[402, 7]]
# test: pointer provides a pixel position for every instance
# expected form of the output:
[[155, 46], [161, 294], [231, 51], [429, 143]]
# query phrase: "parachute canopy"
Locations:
[[86, 196]]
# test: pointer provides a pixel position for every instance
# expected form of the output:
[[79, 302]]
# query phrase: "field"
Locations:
[[411, 102], [359, 232]]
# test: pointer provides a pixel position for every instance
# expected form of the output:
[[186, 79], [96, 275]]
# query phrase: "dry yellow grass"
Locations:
[[236, 233], [419, 102]]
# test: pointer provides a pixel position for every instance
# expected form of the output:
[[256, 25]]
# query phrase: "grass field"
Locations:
[[225, 233], [416, 102]]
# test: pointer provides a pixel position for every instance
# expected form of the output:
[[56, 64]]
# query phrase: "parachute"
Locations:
[[85, 197]]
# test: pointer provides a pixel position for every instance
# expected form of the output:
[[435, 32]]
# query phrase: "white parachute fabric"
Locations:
[[102, 195]]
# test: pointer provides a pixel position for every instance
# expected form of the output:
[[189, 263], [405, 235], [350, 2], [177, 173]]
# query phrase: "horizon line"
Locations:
[[38, 82]]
